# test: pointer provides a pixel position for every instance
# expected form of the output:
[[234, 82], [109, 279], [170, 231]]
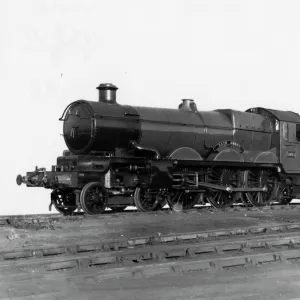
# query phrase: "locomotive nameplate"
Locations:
[[228, 144], [291, 154]]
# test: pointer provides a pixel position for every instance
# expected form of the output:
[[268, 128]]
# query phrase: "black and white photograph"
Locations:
[[150, 150]]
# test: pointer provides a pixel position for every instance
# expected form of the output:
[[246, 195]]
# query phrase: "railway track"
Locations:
[[137, 258], [42, 219], [267, 244], [40, 270]]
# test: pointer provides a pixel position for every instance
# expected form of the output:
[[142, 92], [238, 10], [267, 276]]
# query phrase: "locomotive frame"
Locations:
[[121, 155]]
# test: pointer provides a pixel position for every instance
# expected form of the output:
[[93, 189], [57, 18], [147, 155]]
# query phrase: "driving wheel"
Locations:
[[226, 178], [262, 178], [181, 200], [93, 198], [147, 199]]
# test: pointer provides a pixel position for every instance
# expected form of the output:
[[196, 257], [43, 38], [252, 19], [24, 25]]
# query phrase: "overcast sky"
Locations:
[[224, 54]]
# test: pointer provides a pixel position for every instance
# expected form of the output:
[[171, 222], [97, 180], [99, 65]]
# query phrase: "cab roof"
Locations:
[[286, 116]]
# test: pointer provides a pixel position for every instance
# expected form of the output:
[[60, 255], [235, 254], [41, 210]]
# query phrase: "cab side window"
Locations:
[[291, 132], [285, 131], [298, 132]]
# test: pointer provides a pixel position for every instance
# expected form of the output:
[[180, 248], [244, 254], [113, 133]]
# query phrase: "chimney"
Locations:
[[188, 105], [107, 93]]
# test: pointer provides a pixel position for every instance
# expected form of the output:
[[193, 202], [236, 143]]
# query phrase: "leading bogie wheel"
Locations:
[[93, 198], [64, 201]]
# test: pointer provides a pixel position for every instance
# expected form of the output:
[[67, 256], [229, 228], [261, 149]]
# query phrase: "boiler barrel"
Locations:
[[96, 126], [99, 126]]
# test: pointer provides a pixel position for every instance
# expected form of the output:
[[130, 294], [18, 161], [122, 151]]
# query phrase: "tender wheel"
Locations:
[[64, 201], [93, 198], [118, 209], [179, 201], [147, 200], [223, 177], [262, 178]]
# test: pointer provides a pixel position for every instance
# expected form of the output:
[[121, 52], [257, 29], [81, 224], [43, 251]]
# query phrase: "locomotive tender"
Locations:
[[121, 155]]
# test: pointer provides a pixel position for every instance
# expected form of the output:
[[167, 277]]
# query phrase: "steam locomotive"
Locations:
[[121, 155]]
